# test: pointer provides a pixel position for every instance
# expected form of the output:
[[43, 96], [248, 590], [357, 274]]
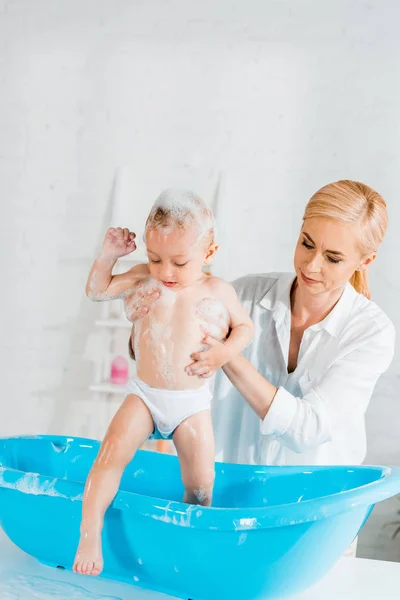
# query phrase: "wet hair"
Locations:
[[182, 209]]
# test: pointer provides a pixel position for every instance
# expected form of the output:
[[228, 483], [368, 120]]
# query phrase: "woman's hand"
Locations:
[[209, 360], [118, 242]]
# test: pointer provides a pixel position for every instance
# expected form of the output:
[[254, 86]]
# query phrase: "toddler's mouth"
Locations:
[[169, 284]]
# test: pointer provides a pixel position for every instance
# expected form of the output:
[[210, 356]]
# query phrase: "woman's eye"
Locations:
[[155, 261], [333, 260], [181, 265], [306, 245]]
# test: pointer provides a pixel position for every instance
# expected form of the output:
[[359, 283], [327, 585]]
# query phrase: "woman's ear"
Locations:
[[367, 261], [211, 250]]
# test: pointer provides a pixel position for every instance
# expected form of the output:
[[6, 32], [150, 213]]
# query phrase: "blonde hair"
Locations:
[[353, 202], [182, 208]]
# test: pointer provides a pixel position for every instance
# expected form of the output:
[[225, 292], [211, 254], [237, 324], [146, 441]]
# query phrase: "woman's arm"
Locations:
[[257, 391], [340, 394]]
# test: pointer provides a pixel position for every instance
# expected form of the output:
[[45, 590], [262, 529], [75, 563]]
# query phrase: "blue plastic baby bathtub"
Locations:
[[272, 532]]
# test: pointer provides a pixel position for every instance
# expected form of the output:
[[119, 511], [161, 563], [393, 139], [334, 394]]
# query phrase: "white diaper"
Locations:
[[169, 408]]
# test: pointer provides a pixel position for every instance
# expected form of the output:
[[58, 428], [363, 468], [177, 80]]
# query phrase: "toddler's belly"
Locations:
[[163, 351]]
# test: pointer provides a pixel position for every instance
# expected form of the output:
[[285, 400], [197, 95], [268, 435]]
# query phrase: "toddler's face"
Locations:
[[176, 256]]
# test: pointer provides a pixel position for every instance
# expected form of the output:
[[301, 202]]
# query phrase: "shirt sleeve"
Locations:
[[341, 394]]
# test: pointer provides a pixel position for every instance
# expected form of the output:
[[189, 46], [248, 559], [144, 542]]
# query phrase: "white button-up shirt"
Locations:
[[317, 415]]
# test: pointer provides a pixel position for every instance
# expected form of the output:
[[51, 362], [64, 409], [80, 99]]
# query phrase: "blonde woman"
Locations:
[[320, 343]]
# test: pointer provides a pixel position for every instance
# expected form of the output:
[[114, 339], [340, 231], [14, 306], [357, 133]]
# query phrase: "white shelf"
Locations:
[[106, 387], [114, 323]]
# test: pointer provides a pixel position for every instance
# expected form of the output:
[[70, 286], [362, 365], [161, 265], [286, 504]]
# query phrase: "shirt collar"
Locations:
[[279, 293], [277, 300], [335, 320]]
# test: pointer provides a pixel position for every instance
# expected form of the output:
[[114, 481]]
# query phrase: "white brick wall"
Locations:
[[284, 96]]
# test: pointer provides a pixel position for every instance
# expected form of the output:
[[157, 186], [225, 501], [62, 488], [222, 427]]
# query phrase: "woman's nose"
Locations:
[[315, 263]]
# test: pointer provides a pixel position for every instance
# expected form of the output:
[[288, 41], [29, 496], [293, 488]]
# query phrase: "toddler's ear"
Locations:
[[211, 250]]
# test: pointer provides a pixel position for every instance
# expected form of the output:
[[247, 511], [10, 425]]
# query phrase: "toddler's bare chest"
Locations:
[[188, 311]]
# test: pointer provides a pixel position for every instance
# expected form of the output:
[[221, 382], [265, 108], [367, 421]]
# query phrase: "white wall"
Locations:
[[284, 96]]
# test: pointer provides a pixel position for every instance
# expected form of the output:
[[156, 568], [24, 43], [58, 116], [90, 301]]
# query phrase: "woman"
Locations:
[[320, 344]]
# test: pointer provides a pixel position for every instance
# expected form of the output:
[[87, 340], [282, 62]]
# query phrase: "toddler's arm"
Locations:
[[242, 331], [101, 283], [242, 328]]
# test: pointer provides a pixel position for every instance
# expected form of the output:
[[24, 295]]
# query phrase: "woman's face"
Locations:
[[327, 254]]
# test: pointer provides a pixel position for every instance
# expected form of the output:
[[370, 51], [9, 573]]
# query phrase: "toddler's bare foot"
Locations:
[[89, 557]]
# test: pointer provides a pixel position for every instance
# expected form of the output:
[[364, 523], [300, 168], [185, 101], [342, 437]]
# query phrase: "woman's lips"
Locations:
[[308, 280], [169, 284]]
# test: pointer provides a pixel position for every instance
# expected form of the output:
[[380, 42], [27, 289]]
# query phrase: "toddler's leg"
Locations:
[[130, 427], [194, 442]]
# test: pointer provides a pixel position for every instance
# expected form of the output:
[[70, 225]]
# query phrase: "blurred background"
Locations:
[[251, 104]]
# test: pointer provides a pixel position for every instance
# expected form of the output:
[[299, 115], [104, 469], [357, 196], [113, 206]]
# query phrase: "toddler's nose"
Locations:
[[166, 272]]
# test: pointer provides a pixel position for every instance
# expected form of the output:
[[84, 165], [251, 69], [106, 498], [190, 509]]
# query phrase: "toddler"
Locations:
[[164, 398]]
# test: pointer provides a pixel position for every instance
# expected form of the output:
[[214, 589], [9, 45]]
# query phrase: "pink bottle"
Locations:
[[119, 370]]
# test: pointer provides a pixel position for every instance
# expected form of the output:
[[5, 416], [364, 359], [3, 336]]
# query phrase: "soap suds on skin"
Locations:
[[200, 494], [156, 333], [214, 317]]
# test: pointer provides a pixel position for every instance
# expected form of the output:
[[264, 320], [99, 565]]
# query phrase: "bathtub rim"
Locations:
[[214, 518]]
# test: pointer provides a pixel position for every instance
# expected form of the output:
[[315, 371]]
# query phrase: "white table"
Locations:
[[23, 578]]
